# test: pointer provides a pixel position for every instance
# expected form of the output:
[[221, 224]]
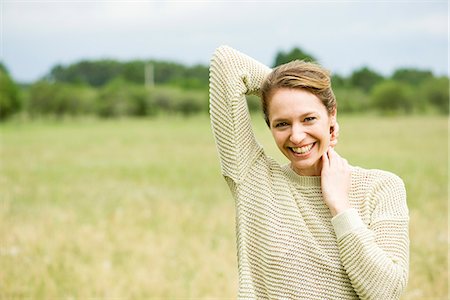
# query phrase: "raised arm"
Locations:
[[232, 76], [376, 257]]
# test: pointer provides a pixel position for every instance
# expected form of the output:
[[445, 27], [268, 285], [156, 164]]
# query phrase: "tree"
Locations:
[[392, 97], [99, 73], [436, 92], [338, 81], [351, 100], [93, 73], [133, 71], [119, 98], [365, 78], [10, 102], [58, 99], [296, 53], [412, 76]]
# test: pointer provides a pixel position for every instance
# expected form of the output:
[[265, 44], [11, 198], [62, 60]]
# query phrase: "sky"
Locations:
[[343, 35]]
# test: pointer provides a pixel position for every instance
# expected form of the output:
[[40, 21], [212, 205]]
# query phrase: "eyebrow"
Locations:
[[282, 119]]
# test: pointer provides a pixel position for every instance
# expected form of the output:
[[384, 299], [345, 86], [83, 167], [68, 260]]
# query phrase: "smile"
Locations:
[[302, 150]]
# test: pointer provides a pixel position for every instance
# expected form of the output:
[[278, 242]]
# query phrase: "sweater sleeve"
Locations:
[[376, 256], [232, 76]]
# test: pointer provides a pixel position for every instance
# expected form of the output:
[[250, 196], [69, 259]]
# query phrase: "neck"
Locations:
[[315, 170]]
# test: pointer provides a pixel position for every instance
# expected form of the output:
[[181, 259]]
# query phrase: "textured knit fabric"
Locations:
[[288, 244]]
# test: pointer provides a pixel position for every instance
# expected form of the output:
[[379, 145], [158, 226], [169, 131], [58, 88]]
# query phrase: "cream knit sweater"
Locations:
[[288, 244]]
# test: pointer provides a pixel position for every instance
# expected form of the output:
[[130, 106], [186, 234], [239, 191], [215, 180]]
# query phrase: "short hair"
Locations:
[[299, 74]]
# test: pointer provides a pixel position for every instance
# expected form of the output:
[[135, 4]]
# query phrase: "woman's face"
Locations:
[[300, 125]]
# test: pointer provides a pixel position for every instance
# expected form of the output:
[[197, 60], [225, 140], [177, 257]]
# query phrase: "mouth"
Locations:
[[302, 150]]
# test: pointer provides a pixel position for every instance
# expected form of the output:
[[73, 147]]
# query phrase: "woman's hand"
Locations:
[[335, 181], [334, 135]]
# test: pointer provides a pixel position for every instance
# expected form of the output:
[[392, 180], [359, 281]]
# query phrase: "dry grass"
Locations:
[[137, 208]]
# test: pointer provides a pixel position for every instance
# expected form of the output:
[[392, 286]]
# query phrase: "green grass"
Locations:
[[138, 209]]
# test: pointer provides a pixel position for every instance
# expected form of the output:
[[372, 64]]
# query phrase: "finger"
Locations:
[[335, 159], [325, 162], [345, 162], [339, 160], [331, 155], [342, 160]]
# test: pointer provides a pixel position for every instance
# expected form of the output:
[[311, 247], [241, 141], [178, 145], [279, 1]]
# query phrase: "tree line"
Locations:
[[110, 88]]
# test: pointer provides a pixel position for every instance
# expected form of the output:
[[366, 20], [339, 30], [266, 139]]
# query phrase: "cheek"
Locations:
[[278, 138], [323, 132]]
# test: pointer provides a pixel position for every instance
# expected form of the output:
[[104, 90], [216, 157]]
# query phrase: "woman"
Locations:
[[316, 228]]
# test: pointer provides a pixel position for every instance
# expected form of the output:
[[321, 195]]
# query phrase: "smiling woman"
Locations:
[[300, 126], [317, 227]]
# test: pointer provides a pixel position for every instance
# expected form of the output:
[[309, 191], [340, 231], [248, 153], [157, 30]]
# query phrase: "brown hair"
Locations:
[[299, 74]]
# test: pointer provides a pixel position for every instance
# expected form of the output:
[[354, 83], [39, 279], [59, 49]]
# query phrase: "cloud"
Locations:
[[343, 35], [435, 24]]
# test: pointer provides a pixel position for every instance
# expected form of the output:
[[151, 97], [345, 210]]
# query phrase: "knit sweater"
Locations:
[[288, 244]]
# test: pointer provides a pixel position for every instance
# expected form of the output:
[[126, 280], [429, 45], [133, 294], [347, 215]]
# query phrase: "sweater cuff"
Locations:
[[346, 222]]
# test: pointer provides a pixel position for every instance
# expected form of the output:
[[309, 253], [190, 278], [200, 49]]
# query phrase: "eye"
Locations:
[[281, 124], [310, 119]]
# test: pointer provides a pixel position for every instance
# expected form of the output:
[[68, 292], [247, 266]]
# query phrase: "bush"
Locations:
[[120, 98], [254, 103], [10, 101], [413, 77], [392, 97], [352, 100], [47, 98], [174, 100], [436, 92], [365, 79]]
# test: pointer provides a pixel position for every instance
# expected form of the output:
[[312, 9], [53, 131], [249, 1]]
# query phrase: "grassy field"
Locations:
[[137, 209]]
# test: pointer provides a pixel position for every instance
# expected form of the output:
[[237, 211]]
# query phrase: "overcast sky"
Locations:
[[343, 35]]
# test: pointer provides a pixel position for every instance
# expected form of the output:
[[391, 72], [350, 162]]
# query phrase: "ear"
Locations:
[[333, 116]]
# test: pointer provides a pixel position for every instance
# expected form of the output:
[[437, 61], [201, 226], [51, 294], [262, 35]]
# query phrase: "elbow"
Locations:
[[395, 286], [400, 273], [397, 289], [220, 55], [390, 285], [402, 282]]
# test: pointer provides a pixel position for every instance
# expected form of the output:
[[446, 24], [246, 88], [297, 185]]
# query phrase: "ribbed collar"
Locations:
[[304, 181]]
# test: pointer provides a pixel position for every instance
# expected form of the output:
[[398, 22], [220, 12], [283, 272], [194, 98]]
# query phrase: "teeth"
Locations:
[[302, 150]]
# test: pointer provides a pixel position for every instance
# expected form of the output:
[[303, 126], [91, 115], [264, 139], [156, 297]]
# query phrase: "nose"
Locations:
[[297, 135]]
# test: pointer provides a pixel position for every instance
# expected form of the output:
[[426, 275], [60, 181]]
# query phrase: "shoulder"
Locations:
[[375, 177], [384, 190]]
